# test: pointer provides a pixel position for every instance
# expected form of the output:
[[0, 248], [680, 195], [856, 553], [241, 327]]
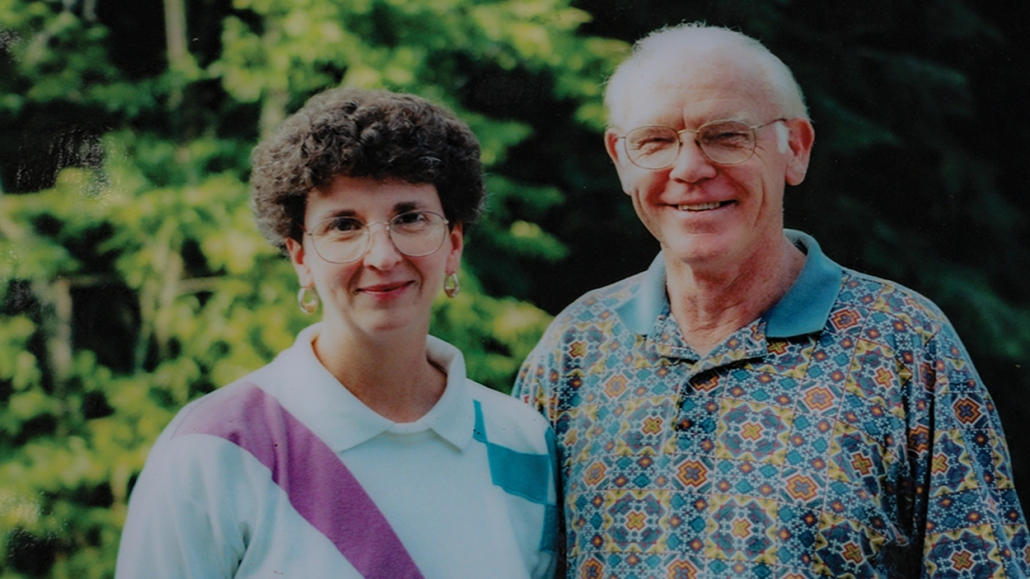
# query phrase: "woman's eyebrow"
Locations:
[[405, 206], [338, 213], [401, 207]]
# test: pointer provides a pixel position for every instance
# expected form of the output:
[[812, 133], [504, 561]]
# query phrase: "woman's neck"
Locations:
[[393, 377]]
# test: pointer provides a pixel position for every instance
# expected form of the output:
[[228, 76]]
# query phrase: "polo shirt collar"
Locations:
[[309, 391], [804, 309], [454, 415], [806, 306]]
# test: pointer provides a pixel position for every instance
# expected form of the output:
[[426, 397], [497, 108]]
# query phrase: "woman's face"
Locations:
[[383, 291]]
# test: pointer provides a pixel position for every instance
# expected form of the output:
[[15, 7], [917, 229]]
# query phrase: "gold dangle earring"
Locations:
[[451, 287], [308, 304]]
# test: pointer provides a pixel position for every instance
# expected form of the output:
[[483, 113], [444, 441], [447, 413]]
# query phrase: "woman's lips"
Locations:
[[385, 289]]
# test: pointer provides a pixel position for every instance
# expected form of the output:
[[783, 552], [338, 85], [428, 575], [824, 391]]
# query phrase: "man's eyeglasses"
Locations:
[[721, 142], [346, 239]]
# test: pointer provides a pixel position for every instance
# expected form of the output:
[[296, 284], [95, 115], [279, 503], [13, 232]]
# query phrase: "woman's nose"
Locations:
[[381, 253]]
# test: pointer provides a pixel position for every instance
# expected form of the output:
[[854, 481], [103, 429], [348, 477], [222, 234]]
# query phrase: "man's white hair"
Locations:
[[679, 42]]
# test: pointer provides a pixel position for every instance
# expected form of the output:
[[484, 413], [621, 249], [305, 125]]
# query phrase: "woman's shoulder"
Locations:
[[230, 405], [510, 422], [500, 403]]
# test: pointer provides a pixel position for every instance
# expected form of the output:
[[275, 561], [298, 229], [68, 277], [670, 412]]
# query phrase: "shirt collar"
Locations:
[[454, 416], [802, 310], [309, 391], [806, 306]]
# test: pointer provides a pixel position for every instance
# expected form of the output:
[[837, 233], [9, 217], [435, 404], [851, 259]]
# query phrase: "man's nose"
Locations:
[[691, 164]]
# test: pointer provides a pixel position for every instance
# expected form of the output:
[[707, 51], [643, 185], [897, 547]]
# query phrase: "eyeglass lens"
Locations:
[[413, 233], [726, 143]]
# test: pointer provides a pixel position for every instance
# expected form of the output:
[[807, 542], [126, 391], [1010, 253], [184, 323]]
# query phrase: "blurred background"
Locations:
[[132, 278]]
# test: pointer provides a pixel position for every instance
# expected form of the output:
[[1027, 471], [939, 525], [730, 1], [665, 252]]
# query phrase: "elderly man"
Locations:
[[746, 407]]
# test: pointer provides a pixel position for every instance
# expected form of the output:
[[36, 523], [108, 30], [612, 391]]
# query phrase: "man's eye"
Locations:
[[660, 137], [653, 143], [725, 136]]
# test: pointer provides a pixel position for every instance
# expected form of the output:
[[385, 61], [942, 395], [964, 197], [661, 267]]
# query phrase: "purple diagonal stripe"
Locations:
[[320, 487]]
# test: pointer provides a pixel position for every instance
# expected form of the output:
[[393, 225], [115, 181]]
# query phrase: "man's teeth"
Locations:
[[699, 206]]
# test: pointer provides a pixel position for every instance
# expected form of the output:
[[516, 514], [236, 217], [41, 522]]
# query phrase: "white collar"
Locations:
[[314, 396]]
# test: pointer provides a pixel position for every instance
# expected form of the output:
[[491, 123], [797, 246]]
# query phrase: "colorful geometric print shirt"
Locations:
[[843, 434]]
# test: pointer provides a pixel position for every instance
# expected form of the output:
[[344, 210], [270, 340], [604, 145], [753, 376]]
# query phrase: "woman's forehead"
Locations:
[[365, 195]]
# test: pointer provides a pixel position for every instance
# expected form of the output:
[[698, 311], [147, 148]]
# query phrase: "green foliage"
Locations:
[[133, 278]]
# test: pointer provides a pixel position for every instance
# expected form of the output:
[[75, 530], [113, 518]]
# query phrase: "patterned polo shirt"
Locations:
[[845, 433]]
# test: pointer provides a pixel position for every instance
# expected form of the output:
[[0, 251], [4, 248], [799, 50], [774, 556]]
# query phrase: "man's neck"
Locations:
[[710, 304]]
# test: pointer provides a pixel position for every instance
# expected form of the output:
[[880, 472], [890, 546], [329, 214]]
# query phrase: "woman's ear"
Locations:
[[298, 257], [457, 237]]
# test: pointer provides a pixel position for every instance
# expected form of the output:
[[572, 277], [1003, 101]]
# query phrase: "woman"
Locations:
[[362, 450]]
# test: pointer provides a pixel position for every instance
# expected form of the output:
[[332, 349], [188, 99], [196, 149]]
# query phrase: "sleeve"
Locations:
[[177, 528], [538, 378], [974, 525], [537, 385], [550, 552], [559, 564]]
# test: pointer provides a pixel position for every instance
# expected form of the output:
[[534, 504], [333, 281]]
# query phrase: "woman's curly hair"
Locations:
[[363, 133]]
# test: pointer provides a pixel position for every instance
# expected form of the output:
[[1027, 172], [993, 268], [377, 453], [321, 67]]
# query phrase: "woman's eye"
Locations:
[[346, 225], [410, 218]]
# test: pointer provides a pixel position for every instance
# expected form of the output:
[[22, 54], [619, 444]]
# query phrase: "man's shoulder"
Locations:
[[592, 318], [900, 303], [592, 304]]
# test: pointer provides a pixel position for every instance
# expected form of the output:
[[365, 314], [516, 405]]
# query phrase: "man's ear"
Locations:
[[618, 157], [298, 257], [799, 142]]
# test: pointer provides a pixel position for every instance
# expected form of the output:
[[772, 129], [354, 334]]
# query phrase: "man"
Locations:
[[746, 407]]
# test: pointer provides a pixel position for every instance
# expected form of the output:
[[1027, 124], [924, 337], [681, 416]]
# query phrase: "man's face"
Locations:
[[708, 216]]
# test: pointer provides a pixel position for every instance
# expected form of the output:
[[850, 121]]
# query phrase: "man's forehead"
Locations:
[[705, 66], [693, 87]]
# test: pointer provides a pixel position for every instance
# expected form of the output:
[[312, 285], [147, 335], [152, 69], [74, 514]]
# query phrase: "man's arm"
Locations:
[[974, 524]]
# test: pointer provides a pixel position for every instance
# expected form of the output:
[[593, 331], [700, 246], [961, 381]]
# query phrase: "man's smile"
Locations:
[[703, 206]]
